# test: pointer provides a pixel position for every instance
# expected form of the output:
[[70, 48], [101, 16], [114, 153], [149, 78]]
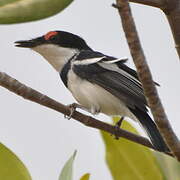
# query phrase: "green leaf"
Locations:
[[128, 160], [67, 171], [85, 176], [11, 168], [170, 166], [17, 11]]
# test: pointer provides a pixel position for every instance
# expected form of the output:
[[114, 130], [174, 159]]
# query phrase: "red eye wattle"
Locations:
[[50, 35]]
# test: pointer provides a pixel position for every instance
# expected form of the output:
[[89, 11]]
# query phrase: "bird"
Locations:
[[100, 83]]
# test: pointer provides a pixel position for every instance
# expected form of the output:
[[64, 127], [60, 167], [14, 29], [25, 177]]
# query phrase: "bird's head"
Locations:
[[57, 47]]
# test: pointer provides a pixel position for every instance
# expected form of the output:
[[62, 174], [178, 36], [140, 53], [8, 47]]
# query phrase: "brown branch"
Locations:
[[153, 3], [28, 93], [173, 15], [172, 10], [146, 77]]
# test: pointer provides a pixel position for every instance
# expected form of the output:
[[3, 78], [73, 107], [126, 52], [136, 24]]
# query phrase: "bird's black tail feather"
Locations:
[[151, 129]]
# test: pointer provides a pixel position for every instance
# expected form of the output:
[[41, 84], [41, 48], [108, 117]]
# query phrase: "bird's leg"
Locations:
[[94, 110], [117, 126], [73, 107]]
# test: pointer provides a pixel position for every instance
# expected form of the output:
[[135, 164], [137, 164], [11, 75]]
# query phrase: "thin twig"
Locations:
[[146, 77], [28, 93]]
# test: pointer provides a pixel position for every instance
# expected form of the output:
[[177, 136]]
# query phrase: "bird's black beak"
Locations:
[[25, 44], [30, 43]]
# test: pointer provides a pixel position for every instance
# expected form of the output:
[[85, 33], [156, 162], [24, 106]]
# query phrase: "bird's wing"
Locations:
[[113, 75]]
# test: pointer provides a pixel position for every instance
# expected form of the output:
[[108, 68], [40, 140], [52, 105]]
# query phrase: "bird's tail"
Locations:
[[151, 130]]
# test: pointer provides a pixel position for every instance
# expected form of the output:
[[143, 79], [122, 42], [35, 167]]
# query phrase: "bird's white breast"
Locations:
[[94, 97]]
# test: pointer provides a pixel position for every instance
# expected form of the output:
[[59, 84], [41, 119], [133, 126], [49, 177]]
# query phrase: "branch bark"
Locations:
[[153, 3], [146, 77], [28, 93], [172, 10], [173, 16]]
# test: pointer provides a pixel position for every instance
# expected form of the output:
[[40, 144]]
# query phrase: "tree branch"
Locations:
[[146, 77], [172, 10], [173, 15], [154, 3], [28, 93]]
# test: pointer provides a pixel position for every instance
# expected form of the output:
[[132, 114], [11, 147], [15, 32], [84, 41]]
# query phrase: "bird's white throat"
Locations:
[[55, 55]]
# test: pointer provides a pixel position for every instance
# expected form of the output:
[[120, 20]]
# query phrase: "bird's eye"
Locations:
[[50, 34]]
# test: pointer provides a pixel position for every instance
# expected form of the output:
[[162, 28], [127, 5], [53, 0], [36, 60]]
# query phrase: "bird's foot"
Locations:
[[117, 127], [95, 110], [72, 108]]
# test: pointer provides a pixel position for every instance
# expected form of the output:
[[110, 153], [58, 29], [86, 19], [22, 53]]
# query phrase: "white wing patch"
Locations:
[[88, 61], [107, 64], [115, 60], [98, 59]]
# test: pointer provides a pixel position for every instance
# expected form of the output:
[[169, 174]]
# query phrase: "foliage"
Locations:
[[85, 177], [11, 168], [169, 166], [17, 11], [128, 160], [67, 171]]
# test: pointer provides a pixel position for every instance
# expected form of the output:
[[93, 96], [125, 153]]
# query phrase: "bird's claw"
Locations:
[[117, 127], [72, 108]]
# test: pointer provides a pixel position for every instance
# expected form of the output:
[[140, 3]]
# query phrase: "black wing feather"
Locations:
[[131, 71], [127, 69], [123, 86], [151, 130], [116, 83], [89, 54]]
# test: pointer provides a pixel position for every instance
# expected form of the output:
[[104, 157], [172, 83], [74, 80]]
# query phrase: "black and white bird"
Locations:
[[98, 82]]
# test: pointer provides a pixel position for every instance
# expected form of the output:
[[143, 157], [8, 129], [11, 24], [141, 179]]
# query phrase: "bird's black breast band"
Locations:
[[65, 70]]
